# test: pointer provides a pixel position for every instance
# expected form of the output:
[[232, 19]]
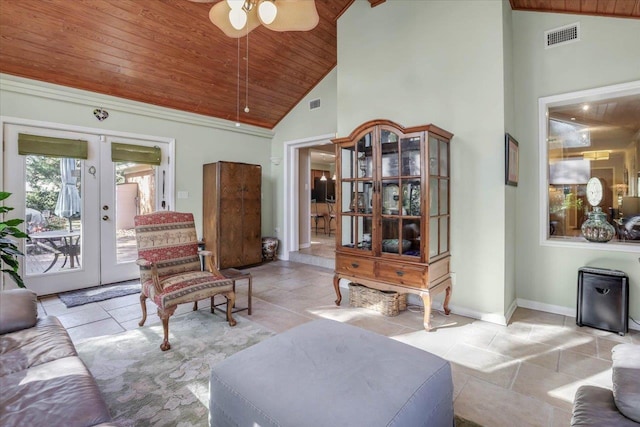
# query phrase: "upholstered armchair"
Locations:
[[170, 269]]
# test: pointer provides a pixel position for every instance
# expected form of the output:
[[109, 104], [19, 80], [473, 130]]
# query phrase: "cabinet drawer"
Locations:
[[404, 274], [354, 266]]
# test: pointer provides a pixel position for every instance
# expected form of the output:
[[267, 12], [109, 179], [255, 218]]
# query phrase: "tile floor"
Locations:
[[523, 374]]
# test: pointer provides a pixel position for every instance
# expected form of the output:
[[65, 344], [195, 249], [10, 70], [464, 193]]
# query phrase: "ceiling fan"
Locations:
[[236, 18]]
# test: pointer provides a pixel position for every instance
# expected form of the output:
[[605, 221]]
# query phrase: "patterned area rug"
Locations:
[[99, 293], [144, 386]]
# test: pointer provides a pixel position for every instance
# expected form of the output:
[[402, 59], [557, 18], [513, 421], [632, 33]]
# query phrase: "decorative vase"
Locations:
[[596, 228], [269, 248]]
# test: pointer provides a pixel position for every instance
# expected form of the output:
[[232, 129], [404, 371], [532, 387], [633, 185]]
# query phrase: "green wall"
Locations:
[[440, 62], [199, 139], [607, 54]]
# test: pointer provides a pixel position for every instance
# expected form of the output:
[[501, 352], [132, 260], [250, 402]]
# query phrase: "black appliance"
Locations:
[[603, 299]]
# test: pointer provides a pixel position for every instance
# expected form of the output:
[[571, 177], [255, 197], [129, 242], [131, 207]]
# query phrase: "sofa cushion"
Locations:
[[18, 310], [46, 341], [61, 392], [626, 379], [594, 407]]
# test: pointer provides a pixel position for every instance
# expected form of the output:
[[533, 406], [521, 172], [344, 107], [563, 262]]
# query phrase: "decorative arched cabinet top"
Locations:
[[358, 132]]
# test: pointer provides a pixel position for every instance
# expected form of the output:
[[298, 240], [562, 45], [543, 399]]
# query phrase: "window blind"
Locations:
[[135, 153], [50, 146]]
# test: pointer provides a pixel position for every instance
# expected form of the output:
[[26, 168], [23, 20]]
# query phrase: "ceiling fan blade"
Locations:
[[219, 16], [202, 1], [295, 15]]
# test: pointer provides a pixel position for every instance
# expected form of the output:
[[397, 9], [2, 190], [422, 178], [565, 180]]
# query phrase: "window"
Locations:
[[593, 133]]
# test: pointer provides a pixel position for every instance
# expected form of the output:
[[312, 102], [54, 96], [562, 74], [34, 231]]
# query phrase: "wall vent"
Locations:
[[313, 104], [561, 36]]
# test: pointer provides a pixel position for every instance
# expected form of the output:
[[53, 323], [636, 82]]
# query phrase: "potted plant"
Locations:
[[9, 251]]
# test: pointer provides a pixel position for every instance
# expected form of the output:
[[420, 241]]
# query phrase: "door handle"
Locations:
[[355, 265], [105, 218], [400, 273]]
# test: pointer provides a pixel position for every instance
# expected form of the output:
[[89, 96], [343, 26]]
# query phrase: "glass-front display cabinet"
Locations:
[[393, 192]]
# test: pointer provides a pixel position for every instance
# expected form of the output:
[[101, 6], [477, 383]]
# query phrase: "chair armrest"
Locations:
[[18, 310], [141, 262], [205, 253]]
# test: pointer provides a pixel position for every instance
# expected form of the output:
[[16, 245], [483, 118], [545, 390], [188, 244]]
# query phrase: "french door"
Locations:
[[78, 193]]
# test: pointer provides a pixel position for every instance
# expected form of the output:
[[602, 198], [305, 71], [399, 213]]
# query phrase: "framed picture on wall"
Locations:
[[512, 155]]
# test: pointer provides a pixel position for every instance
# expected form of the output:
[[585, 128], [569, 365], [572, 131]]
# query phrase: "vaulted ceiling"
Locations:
[[168, 53]]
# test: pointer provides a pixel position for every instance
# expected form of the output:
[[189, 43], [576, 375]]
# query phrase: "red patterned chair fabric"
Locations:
[[170, 269]]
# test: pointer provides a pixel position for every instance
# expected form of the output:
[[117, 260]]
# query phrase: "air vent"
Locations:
[[314, 104], [563, 35]]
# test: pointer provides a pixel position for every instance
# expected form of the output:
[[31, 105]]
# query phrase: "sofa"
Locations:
[[42, 379], [620, 407]]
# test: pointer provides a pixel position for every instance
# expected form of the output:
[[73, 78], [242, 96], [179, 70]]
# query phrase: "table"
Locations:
[[59, 242], [234, 274]]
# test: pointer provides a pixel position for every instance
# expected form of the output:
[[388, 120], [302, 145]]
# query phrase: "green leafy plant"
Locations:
[[8, 249]]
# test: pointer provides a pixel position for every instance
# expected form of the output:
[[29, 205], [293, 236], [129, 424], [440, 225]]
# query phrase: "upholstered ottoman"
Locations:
[[326, 373]]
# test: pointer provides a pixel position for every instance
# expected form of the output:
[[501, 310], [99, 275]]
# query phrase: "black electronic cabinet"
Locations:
[[603, 299]]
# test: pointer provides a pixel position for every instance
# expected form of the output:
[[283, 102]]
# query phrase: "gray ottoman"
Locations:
[[326, 373]]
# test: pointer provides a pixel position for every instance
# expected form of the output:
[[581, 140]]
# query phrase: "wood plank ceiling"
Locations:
[[168, 53], [611, 8]]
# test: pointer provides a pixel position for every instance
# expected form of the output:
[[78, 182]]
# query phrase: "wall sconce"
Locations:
[[276, 160]]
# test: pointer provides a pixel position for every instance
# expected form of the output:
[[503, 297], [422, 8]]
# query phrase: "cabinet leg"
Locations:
[[446, 300], [426, 300], [336, 286]]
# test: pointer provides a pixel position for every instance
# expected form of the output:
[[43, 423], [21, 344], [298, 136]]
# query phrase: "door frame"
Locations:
[[102, 134], [292, 184]]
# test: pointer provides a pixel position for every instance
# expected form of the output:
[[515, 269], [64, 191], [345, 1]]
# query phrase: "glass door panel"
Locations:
[[53, 214], [433, 237], [390, 153], [444, 196], [411, 195], [444, 158], [411, 233], [347, 163], [365, 157], [410, 149], [356, 232], [444, 235], [433, 196], [390, 198]]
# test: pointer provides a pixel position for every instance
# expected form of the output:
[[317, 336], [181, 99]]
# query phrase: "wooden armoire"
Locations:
[[231, 213]]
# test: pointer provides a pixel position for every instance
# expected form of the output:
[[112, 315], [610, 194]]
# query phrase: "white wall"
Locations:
[[199, 139], [608, 53], [440, 62]]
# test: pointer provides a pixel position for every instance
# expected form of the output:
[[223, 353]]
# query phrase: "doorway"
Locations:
[[301, 243], [78, 192]]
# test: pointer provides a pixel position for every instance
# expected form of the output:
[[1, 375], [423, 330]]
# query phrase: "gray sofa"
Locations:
[[620, 407], [42, 379]]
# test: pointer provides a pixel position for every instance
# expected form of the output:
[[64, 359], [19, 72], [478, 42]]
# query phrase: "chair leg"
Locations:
[[165, 341], [231, 300], [195, 306], [143, 304]]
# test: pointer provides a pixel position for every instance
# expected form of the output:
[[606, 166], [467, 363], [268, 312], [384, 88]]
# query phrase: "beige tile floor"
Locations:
[[523, 374]]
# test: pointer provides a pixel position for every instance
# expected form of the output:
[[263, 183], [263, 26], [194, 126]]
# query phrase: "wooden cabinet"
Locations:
[[393, 210], [231, 213]]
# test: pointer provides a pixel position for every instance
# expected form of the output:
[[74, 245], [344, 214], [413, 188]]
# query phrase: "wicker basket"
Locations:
[[388, 303]]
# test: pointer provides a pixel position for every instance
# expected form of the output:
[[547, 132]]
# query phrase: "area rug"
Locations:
[[144, 386], [99, 293]]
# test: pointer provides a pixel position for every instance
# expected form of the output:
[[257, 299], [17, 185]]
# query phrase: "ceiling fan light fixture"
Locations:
[[235, 4], [267, 11], [238, 18]]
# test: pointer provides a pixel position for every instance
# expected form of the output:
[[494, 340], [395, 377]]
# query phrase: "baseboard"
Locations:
[[549, 308], [511, 310]]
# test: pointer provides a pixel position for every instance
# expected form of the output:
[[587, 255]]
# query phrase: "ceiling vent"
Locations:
[[561, 36], [314, 104]]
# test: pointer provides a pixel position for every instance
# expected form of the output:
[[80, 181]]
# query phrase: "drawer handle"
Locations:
[[400, 273], [355, 265]]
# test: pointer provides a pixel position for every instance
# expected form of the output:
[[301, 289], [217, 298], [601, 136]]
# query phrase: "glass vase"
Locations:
[[596, 228]]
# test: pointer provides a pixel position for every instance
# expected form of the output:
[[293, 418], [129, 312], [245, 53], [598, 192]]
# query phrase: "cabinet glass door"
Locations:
[[438, 197], [401, 194], [357, 165]]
